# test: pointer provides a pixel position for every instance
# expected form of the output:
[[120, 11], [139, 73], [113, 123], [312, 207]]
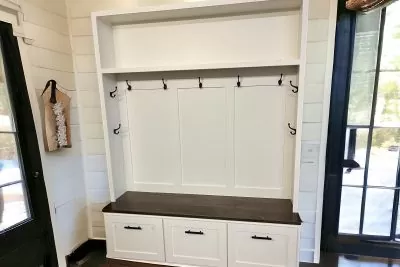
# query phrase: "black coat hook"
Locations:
[[292, 130], [129, 86], [238, 82], [113, 93], [296, 88], [200, 83], [164, 84], [280, 80], [116, 130]]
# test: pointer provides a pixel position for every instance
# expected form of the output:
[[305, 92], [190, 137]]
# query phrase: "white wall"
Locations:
[[321, 30], [320, 45], [50, 57]]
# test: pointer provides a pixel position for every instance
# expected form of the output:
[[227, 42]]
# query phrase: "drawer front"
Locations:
[[195, 242], [134, 237], [262, 245]]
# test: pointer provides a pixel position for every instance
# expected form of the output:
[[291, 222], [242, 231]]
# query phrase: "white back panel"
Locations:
[[154, 130], [203, 129], [259, 136], [231, 39]]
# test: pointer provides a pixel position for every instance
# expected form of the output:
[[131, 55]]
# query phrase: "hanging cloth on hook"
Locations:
[[56, 124]]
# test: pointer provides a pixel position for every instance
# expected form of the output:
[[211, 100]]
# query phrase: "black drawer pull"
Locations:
[[133, 227], [194, 232], [261, 237]]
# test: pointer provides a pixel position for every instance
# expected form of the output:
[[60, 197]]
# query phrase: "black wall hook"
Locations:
[[200, 83], [238, 82], [116, 131], [164, 84], [113, 93], [292, 130], [296, 88], [280, 80], [129, 86]]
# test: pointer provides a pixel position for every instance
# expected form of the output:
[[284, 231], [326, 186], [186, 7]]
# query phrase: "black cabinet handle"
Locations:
[[194, 232], [133, 227], [261, 237]]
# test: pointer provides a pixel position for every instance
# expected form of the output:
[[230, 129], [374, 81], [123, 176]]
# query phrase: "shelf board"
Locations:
[[235, 65], [195, 9]]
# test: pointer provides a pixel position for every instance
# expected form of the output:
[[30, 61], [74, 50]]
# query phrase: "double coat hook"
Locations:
[[113, 93], [164, 84], [200, 83], [296, 88], [117, 130], [292, 130], [129, 86]]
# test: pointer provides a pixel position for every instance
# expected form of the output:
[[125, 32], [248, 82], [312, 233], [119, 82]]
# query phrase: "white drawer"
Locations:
[[195, 242], [262, 245], [134, 237]]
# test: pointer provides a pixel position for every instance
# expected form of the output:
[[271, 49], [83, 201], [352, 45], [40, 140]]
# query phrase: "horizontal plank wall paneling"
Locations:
[[50, 57], [320, 43]]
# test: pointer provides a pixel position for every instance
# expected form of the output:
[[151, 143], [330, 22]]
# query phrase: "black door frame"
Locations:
[[331, 240], [32, 241]]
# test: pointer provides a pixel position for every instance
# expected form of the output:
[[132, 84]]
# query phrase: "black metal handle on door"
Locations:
[[261, 237], [194, 232], [133, 227]]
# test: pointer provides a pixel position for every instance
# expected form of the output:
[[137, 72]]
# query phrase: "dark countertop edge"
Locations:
[[108, 209]]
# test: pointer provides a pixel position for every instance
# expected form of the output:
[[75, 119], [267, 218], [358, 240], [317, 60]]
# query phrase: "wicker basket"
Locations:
[[366, 5]]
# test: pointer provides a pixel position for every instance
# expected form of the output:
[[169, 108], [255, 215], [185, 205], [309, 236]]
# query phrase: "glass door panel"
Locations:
[[14, 207], [371, 179]]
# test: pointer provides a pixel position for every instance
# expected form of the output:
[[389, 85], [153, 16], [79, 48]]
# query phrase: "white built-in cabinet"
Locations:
[[203, 98]]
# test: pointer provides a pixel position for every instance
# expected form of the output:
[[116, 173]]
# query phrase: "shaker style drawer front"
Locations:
[[195, 242], [252, 245], [135, 237]]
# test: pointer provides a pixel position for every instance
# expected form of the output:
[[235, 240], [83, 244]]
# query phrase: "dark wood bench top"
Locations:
[[264, 210]]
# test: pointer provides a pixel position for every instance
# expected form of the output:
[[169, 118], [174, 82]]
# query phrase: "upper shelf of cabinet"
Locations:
[[199, 35], [195, 9]]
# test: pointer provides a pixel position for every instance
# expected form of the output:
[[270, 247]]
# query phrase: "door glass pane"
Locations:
[[13, 208], [13, 197], [378, 212], [354, 155], [363, 70], [384, 157], [6, 121], [9, 164], [350, 209]]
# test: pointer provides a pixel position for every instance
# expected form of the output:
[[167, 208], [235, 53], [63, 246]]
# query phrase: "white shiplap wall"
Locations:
[[320, 44], [316, 105], [50, 57]]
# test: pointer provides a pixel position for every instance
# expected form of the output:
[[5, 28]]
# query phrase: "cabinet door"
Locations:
[[195, 242], [134, 237], [264, 246]]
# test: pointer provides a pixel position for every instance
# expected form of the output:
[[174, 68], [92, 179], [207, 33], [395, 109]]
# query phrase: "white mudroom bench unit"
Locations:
[[200, 105]]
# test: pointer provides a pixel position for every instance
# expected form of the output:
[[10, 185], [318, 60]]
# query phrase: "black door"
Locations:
[[361, 200], [26, 237]]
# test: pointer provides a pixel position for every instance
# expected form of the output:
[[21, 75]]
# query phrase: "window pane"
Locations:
[[384, 157], [9, 164], [12, 206], [355, 154], [378, 212], [350, 209], [6, 121], [363, 70]]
